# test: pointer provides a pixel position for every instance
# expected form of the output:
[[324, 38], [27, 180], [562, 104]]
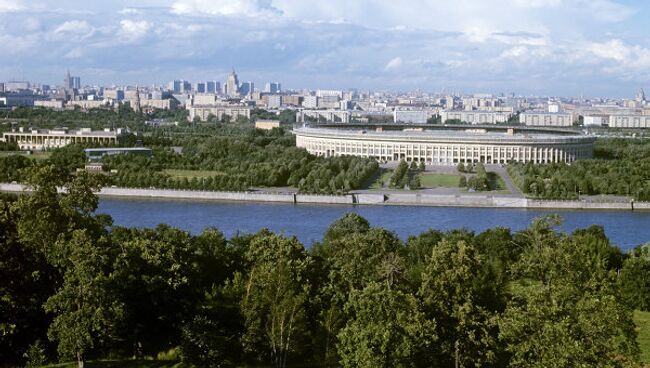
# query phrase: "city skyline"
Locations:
[[566, 48]]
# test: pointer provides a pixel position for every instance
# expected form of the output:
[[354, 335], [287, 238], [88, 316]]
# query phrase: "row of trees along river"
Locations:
[[231, 158], [620, 167], [76, 288]]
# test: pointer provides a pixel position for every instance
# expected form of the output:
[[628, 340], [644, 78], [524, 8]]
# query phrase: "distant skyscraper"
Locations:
[[246, 88], [175, 86], [76, 82], [212, 87], [136, 105], [232, 85], [272, 87], [200, 87], [186, 87], [641, 96], [67, 82]]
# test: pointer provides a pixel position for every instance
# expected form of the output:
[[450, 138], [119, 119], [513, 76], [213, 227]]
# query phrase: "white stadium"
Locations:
[[489, 145]]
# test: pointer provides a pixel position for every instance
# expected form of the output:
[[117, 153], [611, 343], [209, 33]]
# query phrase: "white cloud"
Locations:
[[129, 11], [73, 30], [394, 64], [224, 7], [10, 6], [633, 58], [134, 30]]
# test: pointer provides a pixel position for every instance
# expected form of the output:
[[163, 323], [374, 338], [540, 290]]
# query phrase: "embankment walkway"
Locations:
[[367, 198]]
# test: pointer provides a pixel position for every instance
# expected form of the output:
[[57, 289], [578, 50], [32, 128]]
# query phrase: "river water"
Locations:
[[309, 222]]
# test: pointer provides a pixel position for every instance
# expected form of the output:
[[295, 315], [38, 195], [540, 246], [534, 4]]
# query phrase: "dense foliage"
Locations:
[[77, 288], [233, 158], [619, 167]]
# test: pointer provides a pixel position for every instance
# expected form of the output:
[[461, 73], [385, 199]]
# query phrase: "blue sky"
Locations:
[[542, 47]]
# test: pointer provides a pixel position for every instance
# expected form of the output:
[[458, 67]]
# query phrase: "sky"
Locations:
[[591, 48]]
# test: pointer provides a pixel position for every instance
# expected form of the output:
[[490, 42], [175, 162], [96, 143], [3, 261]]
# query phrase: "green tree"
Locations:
[[387, 329], [275, 299], [85, 307], [452, 295], [634, 282]]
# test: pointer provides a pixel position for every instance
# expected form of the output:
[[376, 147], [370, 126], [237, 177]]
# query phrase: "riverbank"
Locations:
[[365, 198]]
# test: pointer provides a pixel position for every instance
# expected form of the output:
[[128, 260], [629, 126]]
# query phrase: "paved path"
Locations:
[[506, 178]]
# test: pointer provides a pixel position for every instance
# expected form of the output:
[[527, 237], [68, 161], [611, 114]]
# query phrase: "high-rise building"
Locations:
[[272, 87], [212, 87], [2, 87], [186, 87], [67, 81], [200, 87], [641, 96], [76, 82], [175, 86], [246, 88], [136, 105], [232, 85]]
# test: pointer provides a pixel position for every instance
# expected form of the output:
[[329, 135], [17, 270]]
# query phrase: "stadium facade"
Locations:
[[466, 145]]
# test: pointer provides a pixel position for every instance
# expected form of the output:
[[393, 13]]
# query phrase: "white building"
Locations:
[[233, 111], [447, 147], [629, 121], [310, 102], [43, 139], [596, 120], [546, 119], [274, 101], [475, 117]]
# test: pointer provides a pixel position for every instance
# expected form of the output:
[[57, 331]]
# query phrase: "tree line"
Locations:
[[619, 167], [237, 159], [80, 288]]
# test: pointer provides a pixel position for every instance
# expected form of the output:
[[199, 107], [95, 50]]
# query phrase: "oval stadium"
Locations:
[[447, 145]]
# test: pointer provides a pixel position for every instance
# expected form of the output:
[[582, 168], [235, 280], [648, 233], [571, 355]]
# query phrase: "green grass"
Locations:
[[377, 181], [40, 155], [122, 364], [642, 321], [439, 180], [497, 183], [190, 173]]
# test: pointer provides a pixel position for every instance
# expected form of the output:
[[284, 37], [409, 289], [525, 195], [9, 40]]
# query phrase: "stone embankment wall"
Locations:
[[416, 199]]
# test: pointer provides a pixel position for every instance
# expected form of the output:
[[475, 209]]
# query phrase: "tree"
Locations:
[[415, 182], [452, 295], [462, 182], [564, 310], [274, 298], [422, 167], [387, 329], [86, 309], [460, 167], [634, 282]]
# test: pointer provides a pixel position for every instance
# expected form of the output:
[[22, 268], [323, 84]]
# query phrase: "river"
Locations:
[[309, 222]]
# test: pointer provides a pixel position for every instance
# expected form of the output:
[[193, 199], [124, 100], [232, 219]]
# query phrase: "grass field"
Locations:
[[496, 182], [377, 182], [642, 321], [439, 180], [122, 364], [190, 173]]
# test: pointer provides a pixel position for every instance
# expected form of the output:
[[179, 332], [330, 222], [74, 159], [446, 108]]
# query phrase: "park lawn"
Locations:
[[174, 173], [497, 183], [439, 180], [122, 364], [642, 321], [41, 155], [377, 182]]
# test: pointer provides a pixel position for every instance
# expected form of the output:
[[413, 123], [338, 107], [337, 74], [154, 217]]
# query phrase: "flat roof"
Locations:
[[117, 149]]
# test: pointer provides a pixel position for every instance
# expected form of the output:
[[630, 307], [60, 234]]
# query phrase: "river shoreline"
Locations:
[[365, 198]]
